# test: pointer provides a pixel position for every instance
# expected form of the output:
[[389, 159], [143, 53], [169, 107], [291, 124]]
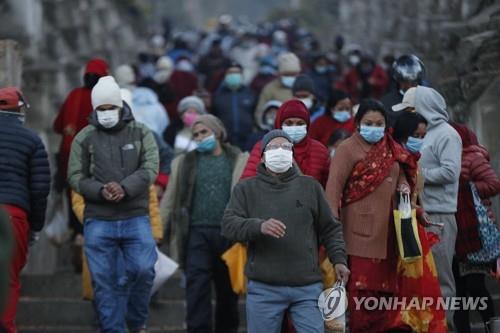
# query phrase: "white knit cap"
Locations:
[[125, 75], [288, 62], [106, 91]]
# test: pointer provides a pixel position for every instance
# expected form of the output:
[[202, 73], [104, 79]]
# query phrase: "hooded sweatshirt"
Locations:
[[299, 202], [311, 156], [441, 154]]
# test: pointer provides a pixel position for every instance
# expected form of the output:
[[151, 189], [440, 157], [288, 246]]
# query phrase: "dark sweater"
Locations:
[[24, 170], [297, 201], [213, 180]]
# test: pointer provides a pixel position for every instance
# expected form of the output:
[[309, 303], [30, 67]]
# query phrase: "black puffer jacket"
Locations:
[[24, 170]]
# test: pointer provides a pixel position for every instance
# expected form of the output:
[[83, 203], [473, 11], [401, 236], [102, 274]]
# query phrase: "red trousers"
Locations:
[[20, 231]]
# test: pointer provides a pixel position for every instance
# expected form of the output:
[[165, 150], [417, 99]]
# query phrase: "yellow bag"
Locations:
[[236, 258], [328, 274], [405, 221]]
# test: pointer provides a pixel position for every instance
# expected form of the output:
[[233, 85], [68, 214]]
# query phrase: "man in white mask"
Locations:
[[283, 216], [112, 164]]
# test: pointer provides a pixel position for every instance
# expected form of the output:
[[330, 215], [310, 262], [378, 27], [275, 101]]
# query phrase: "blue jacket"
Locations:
[[235, 109], [24, 170]]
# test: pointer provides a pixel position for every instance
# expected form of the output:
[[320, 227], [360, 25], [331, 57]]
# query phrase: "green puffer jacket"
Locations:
[[126, 154]]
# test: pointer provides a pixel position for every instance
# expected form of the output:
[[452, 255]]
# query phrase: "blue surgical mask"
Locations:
[[296, 133], [288, 81], [372, 134], [207, 145], [233, 80], [414, 145], [342, 116]]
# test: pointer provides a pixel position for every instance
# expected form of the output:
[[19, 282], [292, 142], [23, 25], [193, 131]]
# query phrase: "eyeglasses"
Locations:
[[285, 146]]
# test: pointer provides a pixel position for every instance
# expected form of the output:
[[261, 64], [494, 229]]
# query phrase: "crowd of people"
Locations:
[[263, 138]]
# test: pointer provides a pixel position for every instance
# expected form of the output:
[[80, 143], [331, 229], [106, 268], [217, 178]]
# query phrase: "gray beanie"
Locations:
[[277, 133], [214, 123], [191, 102]]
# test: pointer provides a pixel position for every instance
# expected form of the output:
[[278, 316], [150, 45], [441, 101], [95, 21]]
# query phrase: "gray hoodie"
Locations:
[[441, 154]]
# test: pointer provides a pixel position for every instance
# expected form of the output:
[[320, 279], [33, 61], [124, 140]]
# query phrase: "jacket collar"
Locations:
[[264, 175]]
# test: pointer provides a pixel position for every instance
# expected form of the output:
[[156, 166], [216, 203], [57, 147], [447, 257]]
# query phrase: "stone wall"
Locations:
[[53, 41]]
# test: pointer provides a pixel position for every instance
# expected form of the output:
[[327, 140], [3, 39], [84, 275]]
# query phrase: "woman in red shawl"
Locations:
[[311, 156], [367, 172]]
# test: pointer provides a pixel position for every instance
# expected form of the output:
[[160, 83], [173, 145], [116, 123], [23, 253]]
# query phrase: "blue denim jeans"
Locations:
[[266, 305], [112, 249]]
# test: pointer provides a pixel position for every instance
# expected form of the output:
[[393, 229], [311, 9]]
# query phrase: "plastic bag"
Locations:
[[333, 305], [236, 258], [57, 229], [488, 233], [405, 221], [164, 269]]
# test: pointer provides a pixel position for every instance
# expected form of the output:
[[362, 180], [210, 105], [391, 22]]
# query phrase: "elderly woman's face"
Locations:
[[277, 143], [201, 132]]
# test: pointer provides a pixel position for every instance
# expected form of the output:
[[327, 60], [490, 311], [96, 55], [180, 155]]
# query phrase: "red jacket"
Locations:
[[74, 113], [183, 84], [311, 156], [476, 168], [324, 126], [352, 83]]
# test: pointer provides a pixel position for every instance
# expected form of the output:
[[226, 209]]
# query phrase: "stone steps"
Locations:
[[54, 304]]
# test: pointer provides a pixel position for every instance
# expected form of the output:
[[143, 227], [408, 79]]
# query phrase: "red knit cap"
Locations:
[[97, 66], [292, 108]]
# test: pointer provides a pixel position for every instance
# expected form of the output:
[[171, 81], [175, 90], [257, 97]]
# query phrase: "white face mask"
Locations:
[[108, 118], [278, 160], [308, 102]]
